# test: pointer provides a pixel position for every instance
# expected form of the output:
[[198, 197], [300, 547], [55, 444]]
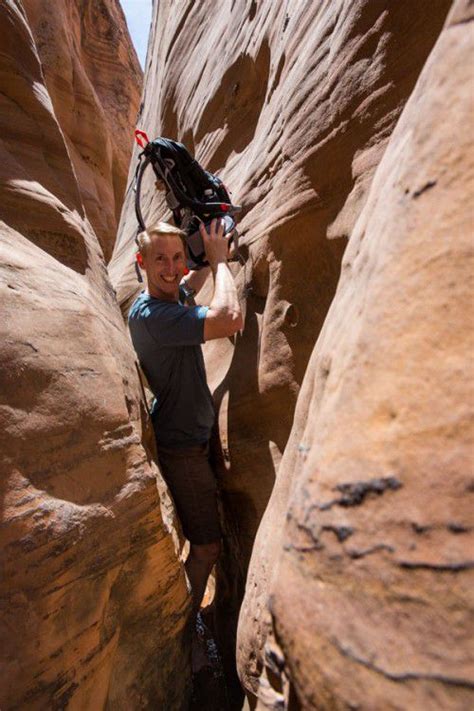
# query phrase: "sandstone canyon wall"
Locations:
[[92, 599], [342, 129], [293, 105], [94, 80], [362, 568]]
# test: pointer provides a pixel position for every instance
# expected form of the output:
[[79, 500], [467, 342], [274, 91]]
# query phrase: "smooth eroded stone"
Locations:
[[370, 584], [292, 106], [94, 79], [93, 601]]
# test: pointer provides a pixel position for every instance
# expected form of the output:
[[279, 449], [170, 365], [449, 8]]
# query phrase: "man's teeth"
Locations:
[[169, 279]]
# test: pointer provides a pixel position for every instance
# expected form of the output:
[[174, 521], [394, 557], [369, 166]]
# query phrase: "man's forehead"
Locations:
[[165, 242]]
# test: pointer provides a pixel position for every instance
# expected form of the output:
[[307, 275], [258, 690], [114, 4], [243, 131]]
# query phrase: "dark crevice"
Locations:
[[438, 567], [426, 186], [362, 553], [355, 493], [342, 533]]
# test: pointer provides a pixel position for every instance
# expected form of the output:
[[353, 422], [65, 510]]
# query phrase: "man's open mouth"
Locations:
[[169, 280]]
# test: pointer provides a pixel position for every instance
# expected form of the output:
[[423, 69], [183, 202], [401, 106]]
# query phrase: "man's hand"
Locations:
[[224, 317], [215, 244]]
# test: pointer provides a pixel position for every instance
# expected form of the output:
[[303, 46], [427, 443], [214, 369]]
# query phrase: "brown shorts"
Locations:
[[193, 486]]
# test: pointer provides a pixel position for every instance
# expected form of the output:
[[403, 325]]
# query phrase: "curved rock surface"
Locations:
[[366, 545], [94, 80], [93, 601], [292, 104]]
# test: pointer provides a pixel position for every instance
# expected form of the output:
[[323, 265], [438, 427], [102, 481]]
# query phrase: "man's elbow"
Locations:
[[237, 323], [222, 325], [233, 323]]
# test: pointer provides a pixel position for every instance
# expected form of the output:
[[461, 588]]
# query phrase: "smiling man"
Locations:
[[167, 336]]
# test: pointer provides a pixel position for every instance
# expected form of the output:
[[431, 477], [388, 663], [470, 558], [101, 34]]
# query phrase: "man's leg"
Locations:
[[198, 567], [199, 564], [193, 486]]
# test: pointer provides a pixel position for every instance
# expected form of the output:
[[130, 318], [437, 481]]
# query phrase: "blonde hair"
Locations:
[[160, 228]]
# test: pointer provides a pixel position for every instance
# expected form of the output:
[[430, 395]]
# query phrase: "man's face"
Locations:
[[165, 264]]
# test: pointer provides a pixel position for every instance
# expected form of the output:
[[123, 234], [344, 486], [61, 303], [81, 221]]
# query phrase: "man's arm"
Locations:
[[224, 317], [195, 279]]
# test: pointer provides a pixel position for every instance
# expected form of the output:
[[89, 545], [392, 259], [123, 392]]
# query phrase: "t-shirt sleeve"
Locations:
[[176, 325]]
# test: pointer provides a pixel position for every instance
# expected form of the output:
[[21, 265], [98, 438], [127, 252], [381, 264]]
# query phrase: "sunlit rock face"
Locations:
[[292, 105], [93, 602], [366, 545], [94, 79]]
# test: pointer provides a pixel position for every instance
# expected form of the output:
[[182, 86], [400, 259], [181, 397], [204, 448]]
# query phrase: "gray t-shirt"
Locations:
[[167, 336]]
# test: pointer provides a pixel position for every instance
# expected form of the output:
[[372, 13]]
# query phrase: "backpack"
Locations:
[[192, 194]]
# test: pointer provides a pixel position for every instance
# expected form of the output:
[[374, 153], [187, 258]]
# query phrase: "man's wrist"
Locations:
[[215, 263]]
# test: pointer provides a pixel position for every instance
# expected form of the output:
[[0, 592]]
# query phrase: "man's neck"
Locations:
[[157, 293]]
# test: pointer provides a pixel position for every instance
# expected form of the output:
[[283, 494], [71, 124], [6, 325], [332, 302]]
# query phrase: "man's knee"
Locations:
[[208, 552]]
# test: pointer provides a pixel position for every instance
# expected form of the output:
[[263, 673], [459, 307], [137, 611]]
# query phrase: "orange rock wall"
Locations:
[[361, 576], [293, 106], [93, 602], [94, 80], [371, 592]]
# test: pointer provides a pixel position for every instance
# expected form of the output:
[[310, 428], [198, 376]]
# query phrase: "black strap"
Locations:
[[142, 387]]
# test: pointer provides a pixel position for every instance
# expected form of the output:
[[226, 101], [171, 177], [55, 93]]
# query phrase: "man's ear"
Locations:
[[139, 259]]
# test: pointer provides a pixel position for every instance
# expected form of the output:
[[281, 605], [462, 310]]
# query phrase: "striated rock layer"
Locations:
[[367, 542], [92, 599], [94, 79], [292, 104]]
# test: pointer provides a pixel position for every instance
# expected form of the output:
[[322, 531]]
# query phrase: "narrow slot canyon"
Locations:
[[343, 437]]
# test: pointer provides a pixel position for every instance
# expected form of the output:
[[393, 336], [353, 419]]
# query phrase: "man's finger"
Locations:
[[202, 229], [216, 227]]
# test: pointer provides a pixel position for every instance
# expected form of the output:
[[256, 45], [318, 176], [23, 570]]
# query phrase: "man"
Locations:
[[167, 337]]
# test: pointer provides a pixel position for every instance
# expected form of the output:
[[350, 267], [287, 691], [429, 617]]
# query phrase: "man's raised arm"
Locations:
[[195, 279], [224, 317]]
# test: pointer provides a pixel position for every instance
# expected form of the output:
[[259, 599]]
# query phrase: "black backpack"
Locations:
[[193, 194]]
